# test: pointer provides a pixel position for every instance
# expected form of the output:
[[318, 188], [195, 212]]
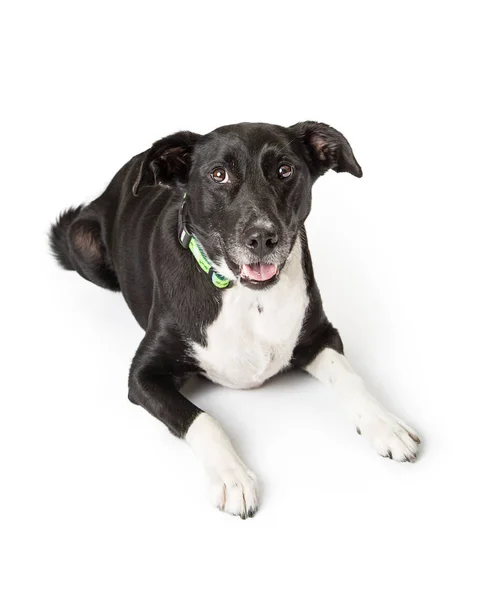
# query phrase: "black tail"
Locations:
[[59, 237], [77, 244]]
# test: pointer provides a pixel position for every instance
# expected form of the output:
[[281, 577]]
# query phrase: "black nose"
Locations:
[[261, 241]]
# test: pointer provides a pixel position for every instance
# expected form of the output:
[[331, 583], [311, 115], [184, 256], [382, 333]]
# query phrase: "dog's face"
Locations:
[[248, 189]]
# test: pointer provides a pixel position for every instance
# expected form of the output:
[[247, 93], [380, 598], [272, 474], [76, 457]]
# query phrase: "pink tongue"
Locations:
[[258, 271]]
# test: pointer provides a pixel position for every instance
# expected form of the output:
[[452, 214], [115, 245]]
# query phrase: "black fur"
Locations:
[[127, 240], [59, 237]]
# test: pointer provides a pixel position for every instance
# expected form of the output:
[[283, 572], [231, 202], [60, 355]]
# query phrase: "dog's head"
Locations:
[[248, 188]]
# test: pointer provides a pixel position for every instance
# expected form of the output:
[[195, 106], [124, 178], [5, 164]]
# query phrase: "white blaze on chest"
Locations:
[[255, 333]]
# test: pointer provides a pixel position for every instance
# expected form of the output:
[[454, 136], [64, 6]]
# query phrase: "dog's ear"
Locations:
[[168, 160], [326, 148]]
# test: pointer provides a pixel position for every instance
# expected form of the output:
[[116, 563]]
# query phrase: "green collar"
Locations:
[[188, 240]]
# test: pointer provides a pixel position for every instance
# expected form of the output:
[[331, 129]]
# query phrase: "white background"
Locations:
[[98, 500]]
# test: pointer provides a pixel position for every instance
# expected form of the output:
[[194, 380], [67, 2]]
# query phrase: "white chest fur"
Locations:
[[255, 332]]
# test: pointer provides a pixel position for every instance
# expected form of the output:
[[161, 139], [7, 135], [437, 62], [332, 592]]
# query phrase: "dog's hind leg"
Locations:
[[76, 241], [159, 366]]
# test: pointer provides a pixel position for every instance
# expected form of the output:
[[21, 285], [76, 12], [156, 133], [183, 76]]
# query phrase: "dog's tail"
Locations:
[[76, 242], [58, 237]]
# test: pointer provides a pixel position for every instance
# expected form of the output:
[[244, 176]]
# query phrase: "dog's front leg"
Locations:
[[160, 363], [388, 435]]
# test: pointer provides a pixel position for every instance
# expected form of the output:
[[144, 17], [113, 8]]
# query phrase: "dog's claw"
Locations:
[[390, 436]]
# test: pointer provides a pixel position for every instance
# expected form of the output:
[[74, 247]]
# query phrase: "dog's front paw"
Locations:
[[390, 436], [234, 490], [233, 486]]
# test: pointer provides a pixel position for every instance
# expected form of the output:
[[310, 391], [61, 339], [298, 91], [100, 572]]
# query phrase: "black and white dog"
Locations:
[[204, 236]]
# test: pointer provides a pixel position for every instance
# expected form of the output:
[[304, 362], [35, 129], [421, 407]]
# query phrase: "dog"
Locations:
[[204, 235]]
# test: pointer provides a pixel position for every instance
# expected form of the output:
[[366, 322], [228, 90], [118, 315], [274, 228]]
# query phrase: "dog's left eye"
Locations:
[[285, 171], [220, 175]]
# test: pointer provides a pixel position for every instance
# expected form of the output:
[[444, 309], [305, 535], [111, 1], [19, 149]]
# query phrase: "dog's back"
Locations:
[[109, 241], [84, 239]]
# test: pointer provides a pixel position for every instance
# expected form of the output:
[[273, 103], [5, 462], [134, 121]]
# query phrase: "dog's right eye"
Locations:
[[220, 175]]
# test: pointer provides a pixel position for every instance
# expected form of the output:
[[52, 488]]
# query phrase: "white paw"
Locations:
[[234, 490], [389, 436], [233, 486]]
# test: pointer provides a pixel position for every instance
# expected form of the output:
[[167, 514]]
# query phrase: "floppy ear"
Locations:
[[168, 160], [326, 148]]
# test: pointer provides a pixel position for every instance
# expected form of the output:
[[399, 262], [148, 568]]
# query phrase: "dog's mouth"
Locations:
[[258, 274]]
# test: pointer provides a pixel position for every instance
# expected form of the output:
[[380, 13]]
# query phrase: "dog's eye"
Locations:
[[285, 171], [220, 175]]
